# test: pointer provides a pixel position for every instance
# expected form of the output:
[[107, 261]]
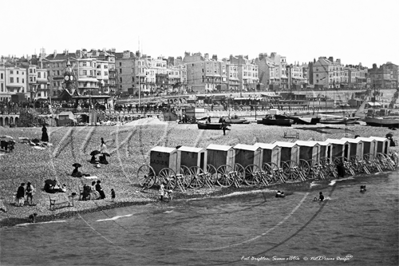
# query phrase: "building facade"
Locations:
[[206, 74], [247, 73], [272, 72], [327, 73], [384, 77]]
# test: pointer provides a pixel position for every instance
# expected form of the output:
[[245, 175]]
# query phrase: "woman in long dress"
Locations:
[[44, 134]]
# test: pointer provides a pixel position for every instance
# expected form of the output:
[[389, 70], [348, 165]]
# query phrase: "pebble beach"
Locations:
[[129, 146]]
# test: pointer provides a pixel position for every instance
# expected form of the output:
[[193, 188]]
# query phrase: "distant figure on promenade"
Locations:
[[44, 134], [363, 189]]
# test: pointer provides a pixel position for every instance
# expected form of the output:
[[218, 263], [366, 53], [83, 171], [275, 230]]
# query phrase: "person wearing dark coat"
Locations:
[[20, 197], [100, 190], [44, 134]]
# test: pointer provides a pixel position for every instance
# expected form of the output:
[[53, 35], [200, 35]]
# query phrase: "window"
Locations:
[[98, 73], [17, 72], [120, 63], [2, 87], [120, 70], [11, 72], [11, 80], [85, 72], [105, 67], [120, 80], [39, 75], [23, 80], [105, 73], [1, 75], [17, 80], [30, 70]]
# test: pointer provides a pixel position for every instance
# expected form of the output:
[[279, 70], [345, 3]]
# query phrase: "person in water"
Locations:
[[362, 189], [280, 194], [321, 196]]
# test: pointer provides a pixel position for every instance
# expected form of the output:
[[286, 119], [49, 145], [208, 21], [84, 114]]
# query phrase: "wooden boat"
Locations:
[[329, 119], [235, 120], [276, 122], [300, 120], [216, 126], [391, 122]]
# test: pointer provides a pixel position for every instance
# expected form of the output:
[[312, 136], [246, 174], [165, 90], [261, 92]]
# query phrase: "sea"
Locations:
[[242, 228]]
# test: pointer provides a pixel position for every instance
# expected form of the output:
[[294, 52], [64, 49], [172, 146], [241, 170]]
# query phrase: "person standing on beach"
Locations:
[[103, 147], [112, 194], [44, 134], [20, 197], [321, 196], [29, 193], [100, 190]]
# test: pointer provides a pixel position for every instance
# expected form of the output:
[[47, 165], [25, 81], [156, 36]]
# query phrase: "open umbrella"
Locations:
[[50, 182], [95, 152], [106, 154], [76, 165]]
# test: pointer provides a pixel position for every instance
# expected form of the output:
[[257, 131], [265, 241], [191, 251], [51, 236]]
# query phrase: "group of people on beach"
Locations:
[[95, 191], [24, 193]]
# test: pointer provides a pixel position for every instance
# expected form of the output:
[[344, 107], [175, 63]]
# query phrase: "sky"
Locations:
[[355, 31]]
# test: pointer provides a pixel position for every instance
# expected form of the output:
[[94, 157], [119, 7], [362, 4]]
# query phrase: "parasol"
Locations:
[[76, 165], [50, 182], [106, 154], [95, 152], [389, 135]]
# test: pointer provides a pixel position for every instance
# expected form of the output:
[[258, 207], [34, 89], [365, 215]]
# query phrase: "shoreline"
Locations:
[[288, 188]]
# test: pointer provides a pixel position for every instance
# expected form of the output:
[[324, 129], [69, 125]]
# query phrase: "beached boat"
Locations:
[[276, 122], [236, 120], [391, 122], [338, 120], [202, 125], [300, 120]]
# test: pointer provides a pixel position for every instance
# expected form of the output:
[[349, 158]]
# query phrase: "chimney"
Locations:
[[215, 57], [331, 59], [78, 54], [126, 54], [206, 56]]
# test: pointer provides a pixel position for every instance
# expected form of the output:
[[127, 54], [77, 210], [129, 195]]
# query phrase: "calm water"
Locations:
[[362, 228]]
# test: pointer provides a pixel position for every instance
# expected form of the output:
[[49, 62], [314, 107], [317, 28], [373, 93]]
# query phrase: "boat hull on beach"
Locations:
[[214, 126], [300, 120], [382, 122], [276, 122]]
